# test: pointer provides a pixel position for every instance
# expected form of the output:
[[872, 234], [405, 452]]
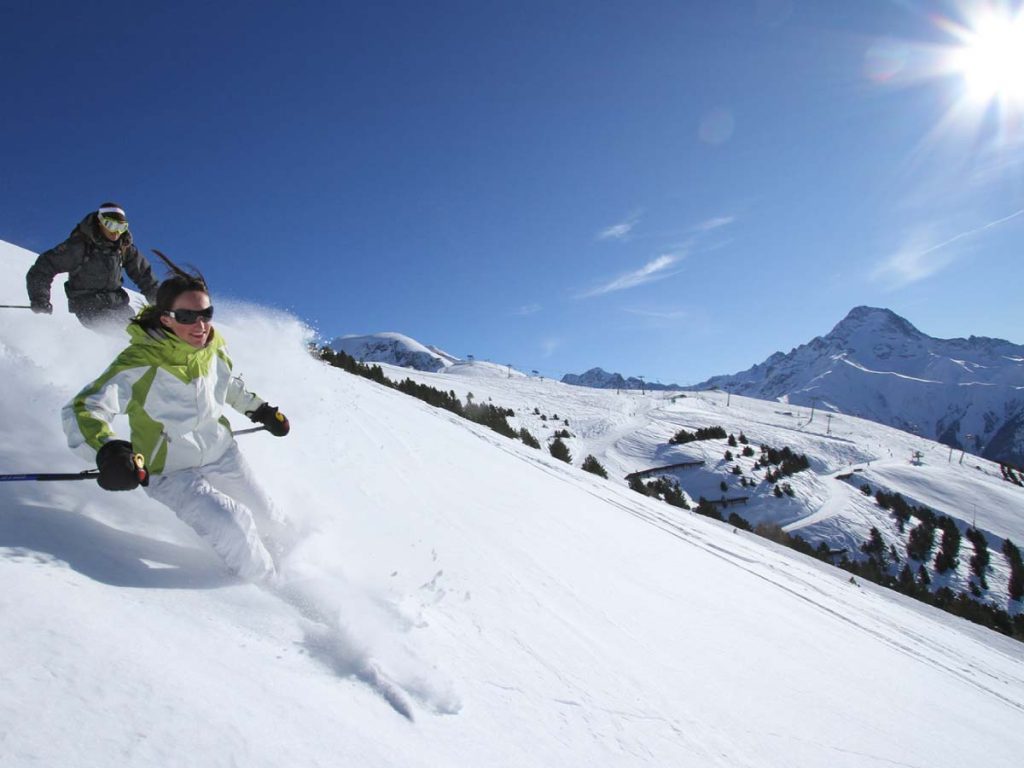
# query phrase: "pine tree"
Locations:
[[906, 581], [923, 579], [737, 521], [1016, 588], [528, 439], [947, 560], [560, 451], [592, 465], [921, 541], [874, 547], [706, 508], [980, 559], [674, 495]]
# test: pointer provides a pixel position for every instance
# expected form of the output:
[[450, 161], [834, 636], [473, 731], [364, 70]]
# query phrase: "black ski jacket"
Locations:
[[94, 265]]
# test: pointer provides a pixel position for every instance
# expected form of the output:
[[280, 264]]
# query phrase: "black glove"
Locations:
[[41, 307], [118, 470], [271, 418]]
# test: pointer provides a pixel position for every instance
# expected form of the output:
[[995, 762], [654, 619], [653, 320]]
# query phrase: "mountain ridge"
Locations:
[[964, 392], [598, 378]]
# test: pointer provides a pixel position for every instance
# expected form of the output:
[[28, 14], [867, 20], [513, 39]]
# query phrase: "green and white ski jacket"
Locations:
[[174, 395]]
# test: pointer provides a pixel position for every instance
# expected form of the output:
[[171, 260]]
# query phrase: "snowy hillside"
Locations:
[[875, 364], [629, 432], [393, 348], [533, 614]]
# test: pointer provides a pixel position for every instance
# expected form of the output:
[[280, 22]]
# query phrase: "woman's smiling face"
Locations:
[[197, 333]]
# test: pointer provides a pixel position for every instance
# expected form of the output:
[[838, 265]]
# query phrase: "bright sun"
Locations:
[[991, 60]]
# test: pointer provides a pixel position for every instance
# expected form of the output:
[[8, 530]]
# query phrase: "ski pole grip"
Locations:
[[140, 468]]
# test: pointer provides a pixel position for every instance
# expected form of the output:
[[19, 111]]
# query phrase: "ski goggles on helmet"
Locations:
[[191, 316], [113, 225]]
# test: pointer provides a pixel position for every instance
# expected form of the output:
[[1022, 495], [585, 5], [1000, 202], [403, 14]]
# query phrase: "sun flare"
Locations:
[[991, 60]]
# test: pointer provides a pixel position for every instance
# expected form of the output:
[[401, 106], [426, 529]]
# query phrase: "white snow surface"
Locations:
[[533, 614]]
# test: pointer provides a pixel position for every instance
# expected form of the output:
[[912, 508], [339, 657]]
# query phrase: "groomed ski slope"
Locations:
[[629, 431], [535, 615]]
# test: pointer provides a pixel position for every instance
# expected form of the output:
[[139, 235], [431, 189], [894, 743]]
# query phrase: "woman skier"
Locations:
[[173, 381]]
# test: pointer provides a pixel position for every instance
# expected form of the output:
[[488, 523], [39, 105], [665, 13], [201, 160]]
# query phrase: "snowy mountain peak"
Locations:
[[876, 364], [393, 349], [874, 320]]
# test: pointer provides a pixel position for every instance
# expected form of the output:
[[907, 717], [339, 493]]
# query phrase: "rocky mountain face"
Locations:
[[875, 364], [598, 378]]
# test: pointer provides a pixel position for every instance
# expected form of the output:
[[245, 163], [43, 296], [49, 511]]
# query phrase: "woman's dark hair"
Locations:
[[180, 281]]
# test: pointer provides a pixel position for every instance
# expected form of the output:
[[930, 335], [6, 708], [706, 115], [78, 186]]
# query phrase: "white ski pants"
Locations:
[[223, 503]]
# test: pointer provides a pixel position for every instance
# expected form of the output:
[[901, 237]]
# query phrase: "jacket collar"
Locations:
[[169, 347]]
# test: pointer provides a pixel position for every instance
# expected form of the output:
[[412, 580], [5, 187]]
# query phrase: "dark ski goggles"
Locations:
[[190, 316]]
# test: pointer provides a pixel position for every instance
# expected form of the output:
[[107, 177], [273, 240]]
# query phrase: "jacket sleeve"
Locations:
[[241, 399], [141, 273], [62, 258], [88, 417], [238, 397]]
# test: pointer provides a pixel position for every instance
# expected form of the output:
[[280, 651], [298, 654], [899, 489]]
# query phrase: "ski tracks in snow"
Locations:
[[322, 605], [794, 578]]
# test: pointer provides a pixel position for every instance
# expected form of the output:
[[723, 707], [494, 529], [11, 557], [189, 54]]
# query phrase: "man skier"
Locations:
[[98, 250]]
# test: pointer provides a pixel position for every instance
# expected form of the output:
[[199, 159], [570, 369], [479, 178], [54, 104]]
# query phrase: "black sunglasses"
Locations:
[[191, 316]]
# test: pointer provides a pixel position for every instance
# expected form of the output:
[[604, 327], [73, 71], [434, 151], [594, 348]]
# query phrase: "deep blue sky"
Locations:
[[672, 189]]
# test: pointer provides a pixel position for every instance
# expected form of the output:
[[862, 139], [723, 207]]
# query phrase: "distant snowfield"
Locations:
[[533, 614], [629, 432]]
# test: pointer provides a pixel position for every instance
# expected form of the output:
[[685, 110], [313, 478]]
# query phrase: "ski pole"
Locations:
[[90, 474], [248, 431], [15, 306]]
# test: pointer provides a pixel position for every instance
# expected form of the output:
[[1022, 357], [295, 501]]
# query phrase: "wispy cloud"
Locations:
[[657, 314], [691, 232], [527, 309], [621, 230], [715, 223], [916, 261], [907, 266], [656, 269], [549, 346]]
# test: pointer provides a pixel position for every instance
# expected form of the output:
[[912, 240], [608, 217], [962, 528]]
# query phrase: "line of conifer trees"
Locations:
[[481, 413], [704, 433]]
